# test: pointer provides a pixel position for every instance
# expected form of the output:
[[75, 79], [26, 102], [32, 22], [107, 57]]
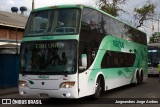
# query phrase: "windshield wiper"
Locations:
[[45, 33]]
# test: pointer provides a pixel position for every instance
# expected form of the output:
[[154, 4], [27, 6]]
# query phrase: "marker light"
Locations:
[[67, 84], [22, 83]]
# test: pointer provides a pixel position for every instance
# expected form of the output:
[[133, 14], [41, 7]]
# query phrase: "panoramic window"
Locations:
[[53, 22]]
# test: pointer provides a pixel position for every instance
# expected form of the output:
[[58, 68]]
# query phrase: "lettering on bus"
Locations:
[[118, 43], [43, 77], [46, 37], [49, 45]]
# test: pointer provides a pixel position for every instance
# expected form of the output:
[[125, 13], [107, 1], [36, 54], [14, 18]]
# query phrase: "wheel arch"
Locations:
[[141, 71], [100, 75]]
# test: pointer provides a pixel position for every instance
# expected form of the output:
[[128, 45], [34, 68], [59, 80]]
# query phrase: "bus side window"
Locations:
[[107, 61], [116, 62]]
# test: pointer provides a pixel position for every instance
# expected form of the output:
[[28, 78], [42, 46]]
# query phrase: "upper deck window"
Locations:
[[53, 22]]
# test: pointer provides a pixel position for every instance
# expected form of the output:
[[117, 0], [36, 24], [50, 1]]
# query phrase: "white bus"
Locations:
[[73, 51], [153, 58]]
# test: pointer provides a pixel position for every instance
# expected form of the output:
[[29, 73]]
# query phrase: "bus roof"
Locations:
[[58, 6], [154, 45], [81, 7]]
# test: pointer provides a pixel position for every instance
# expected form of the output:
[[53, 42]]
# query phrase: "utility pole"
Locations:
[[32, 4], [152, 24], [158, 22]]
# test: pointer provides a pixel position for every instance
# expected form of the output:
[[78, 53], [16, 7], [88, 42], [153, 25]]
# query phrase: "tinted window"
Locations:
[[91, 34], [54, 57], [116, 28], [114, 59], [93, 20]]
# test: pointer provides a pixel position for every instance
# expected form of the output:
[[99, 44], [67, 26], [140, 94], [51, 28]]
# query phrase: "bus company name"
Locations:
[[118, 43], [47, 37], [43, 77]]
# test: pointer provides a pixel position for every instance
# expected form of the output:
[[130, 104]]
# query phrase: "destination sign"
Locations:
[[49, 45]]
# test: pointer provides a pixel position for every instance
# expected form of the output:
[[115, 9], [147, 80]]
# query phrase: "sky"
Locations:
[[129, 7]]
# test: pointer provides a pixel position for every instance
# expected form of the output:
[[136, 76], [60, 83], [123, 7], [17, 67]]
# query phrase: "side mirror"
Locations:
[[84, 62]]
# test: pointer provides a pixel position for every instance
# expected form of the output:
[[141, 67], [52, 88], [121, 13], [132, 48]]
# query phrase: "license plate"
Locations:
[[44, 95]]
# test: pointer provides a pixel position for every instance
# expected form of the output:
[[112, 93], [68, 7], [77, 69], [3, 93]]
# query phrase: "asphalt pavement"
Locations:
[[7, 91]]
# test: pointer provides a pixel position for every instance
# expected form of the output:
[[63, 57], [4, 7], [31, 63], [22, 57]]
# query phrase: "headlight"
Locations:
[[22, 83], [67, 84]]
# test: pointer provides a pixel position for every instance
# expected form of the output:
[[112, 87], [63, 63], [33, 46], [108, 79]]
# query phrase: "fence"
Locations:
[[9, 70]]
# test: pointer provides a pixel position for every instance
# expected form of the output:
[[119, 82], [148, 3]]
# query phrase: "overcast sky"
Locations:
[[129, 7]]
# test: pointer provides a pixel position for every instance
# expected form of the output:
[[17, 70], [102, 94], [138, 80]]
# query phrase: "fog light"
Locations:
[[66, 94], [22, 93]]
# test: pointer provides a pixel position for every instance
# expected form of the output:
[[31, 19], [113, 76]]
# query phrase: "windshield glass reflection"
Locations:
[[53, 22], [51, 57]]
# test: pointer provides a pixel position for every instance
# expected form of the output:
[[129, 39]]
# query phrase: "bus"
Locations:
[[73, 51], [153, 58]]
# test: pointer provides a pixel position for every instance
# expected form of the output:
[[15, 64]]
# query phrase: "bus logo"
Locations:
[[118, 43], [43, 77], [46, 37]]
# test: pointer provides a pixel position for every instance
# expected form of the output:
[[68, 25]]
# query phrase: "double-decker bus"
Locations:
[[153, 58], [73, 51]]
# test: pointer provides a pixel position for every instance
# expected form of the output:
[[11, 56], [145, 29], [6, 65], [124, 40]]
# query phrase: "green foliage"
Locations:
[[146, 9], [155, 37], [144, 13], [114, 6], [111, 11], [111, 7]]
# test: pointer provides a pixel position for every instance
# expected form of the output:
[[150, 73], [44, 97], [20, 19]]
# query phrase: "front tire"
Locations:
[[98, 89]]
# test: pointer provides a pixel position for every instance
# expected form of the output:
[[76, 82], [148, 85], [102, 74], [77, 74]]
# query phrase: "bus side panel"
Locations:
[[141, 60], [116, 77], [85, 88]]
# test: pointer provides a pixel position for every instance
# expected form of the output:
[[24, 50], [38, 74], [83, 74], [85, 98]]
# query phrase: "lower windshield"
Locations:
[[55, 57], [153, 57]]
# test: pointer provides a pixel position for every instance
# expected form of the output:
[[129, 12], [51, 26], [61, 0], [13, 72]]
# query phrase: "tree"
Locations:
[[111, 6], [144, 13], [155, 37]]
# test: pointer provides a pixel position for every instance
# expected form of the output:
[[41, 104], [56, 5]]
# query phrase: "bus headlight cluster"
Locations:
[[67, 84], [22, 83]]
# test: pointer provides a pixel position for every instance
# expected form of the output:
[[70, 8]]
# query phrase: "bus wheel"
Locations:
[[141, 78], [98, 88], [136, 82]]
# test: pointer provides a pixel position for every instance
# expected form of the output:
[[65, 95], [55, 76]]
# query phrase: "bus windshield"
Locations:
[[52, 57], [153, 57], [53, 22]]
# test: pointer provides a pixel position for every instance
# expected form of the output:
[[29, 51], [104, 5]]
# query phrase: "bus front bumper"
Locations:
[[46, 93]]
